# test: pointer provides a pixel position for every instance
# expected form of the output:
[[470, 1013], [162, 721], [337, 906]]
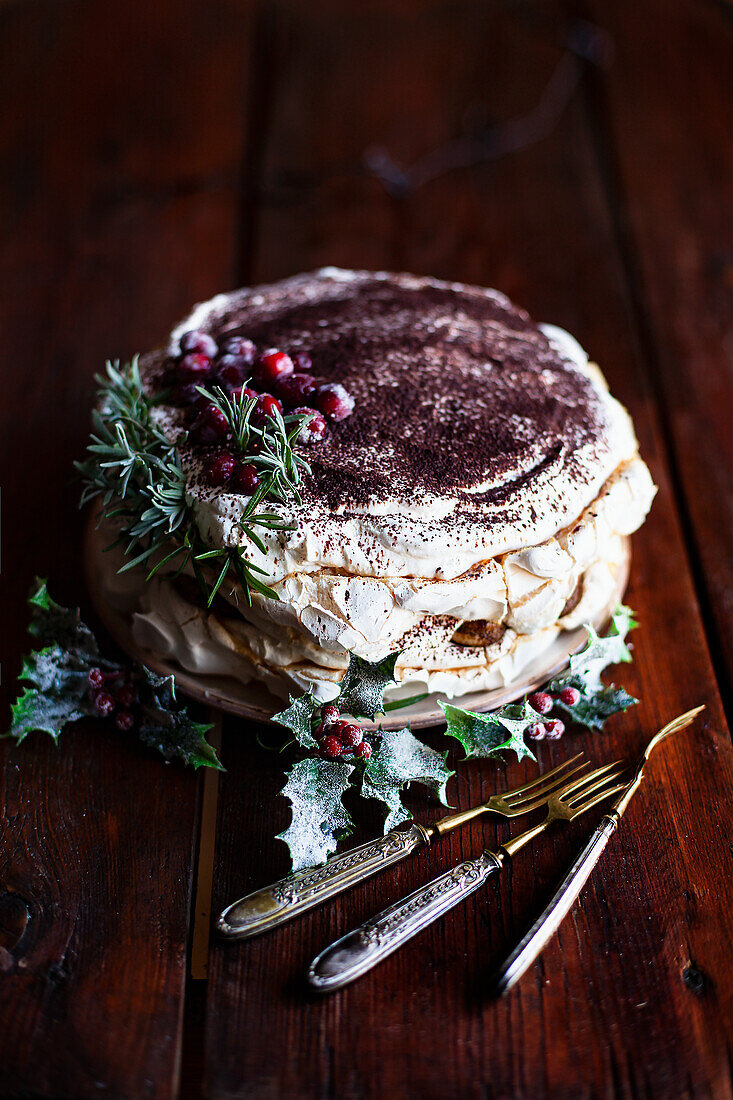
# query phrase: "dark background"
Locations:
[[578, 156]]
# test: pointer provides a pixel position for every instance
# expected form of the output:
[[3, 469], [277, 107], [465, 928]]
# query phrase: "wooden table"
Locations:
[[159, 152]]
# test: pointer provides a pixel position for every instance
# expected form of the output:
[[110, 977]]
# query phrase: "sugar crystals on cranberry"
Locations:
[[194, 367], [231, 370], [197, 341], [266, 408], [334, 401], [314, 428], [239, 346], [295, 389]]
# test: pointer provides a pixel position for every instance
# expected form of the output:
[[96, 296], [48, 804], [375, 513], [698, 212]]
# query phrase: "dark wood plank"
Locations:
[[633, 997], [120, 196], [665, 106]]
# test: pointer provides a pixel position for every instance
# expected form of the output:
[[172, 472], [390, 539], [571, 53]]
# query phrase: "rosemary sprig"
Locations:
[[136, 472]]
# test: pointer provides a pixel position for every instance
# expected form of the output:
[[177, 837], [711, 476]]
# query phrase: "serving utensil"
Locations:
[[358, 951], [272, 906], [552, 916]]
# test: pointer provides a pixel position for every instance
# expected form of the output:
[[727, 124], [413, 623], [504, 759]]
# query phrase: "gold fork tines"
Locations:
[[573, 799], [522, 800]]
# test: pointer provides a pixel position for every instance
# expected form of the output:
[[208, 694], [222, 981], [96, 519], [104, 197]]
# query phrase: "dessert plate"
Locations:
[[255, 702]]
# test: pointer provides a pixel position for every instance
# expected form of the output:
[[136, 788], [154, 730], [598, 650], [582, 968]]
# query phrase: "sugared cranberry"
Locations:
[[125, 695], [231, 370], [245, 392], [569, 696], [330, 714], [241, 347], [198, 342], [124, 720], [104, 703], [211, 425], [554, 729], [186, 394], [541, 702], [219, 468], [194, 366], [314, 428], [537, 731], [331, 747], [95, 678], [302, 361], [334, 401], [352, 736], [294, 389], [271, 366], [245, 480], [364, 750], [265, 408]]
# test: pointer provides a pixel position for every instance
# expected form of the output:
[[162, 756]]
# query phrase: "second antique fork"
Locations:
[[274, 905], [358, 951]]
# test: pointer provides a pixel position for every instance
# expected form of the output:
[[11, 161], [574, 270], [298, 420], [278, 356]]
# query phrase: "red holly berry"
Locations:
[[294, 389], [219, 468], [537, 731], [265, 408], [554, 729], [95, 678], [363, 750], [330, 714], [541, 702], [569, 696], [125, 695], [194, 367], [313, 429], [245, 480], [104, 703], [241, 347], [271, 366], [331, 747], [351, 736], [197, 341], [334, 401], [124, 720]]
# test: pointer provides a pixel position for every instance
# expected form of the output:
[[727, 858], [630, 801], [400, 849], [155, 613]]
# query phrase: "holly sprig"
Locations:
[[506, 729], [315, 787], [134, 470], [58, 692]]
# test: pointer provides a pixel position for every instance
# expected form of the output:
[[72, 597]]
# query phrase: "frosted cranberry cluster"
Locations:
[[338, 738], [543, 703], [276, 380]]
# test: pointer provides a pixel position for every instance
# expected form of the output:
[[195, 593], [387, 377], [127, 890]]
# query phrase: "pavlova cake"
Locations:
[[367, 463]]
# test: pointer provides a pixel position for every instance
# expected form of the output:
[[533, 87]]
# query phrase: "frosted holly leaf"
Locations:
[[364, 684], [320, 819], [56, 696], [597, 701], [400, 759], [298, 718], [52, 622], [175, 735], [485, 735]]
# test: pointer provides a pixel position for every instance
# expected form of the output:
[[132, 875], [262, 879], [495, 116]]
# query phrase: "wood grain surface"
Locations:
[[159, 153]]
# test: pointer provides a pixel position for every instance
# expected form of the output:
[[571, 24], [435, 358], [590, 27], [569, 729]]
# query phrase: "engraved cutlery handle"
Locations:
[[273, 905], [558, 907], [360, 950]]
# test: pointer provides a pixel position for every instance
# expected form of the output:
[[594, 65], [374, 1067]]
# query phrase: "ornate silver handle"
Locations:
[[360, 950], [273, 905], [554, 913]]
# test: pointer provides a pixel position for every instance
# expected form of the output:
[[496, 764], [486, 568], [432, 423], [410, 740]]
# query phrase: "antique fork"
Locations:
[[358, 951], [567, 892], [273, 905]]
